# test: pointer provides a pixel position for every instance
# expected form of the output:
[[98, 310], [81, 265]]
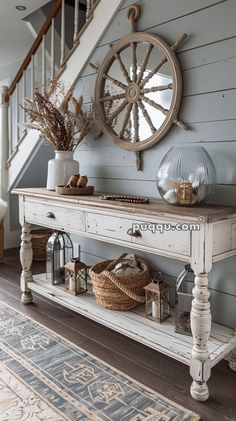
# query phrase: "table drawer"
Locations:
[[108, 226], [162, 235], [54, 216], [223, 237]]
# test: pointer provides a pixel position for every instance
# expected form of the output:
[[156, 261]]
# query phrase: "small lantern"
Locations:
[[59, 250], [157, 300], [76, 277], [183, 302]]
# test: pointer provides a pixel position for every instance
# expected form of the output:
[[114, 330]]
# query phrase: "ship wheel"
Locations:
[[138, 89]]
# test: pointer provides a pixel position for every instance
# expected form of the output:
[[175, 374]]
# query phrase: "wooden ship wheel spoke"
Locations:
[[146, 116], [123, 68], [108, 98], [157, 88], [134, 61], [126, 120], [115, 81], [155, 105], [117, 112], [144, 63], [153, 72], [139, 78], [136, 123]]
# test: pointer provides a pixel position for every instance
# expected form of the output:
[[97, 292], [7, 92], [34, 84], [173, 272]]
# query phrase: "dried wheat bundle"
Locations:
[[58, 115]]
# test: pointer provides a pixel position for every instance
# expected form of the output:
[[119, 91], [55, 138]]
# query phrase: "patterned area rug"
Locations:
[[43, 377]]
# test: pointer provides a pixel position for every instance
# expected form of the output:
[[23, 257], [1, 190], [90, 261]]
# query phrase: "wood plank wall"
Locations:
[[208, 61]]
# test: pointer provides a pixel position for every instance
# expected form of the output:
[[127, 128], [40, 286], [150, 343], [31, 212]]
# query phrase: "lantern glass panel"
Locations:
[[149, 302], [59, 250], [164, 304], [82, 279], [183, 308]]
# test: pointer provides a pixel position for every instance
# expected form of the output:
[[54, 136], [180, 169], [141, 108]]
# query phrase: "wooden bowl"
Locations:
[[75, 191]]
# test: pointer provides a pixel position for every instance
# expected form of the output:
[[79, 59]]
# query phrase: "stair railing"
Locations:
[[4, 135], [45, 60]]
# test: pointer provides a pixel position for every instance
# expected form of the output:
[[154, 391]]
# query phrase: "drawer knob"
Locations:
[[50, 215], [134, 233]]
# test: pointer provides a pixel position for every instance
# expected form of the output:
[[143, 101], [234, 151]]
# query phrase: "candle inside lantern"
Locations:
[[71, 283], [154, 310]]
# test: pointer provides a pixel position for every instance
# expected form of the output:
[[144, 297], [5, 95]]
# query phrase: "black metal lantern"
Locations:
[[59, 250]]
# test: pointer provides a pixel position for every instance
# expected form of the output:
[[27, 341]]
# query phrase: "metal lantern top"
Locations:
[[157, 287], [75, 265], [59, 250], [59, 240]]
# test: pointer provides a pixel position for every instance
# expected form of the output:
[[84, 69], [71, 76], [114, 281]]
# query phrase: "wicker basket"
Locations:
[[39, 241], [118, 292]]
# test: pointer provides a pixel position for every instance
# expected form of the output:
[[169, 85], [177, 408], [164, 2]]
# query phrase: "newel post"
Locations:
[[4, 140]]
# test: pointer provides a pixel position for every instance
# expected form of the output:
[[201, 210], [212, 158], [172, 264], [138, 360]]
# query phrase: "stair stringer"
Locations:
[[24, 152]]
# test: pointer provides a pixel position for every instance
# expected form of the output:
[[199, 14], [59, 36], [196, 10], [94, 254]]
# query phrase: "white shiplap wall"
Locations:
[[208, 61]]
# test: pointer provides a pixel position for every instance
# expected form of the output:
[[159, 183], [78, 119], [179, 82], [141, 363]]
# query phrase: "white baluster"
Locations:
[[76, 20], [52, 48], [43, 87], [62, 32], [4, 139], [24, 93], [17, 114], [89, 4], [32, 77], [10, 126]]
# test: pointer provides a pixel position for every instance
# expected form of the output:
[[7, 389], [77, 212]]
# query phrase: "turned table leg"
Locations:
[[26, 257], [200, 366]]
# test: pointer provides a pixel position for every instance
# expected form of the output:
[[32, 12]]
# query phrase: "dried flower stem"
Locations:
[[61, 121]]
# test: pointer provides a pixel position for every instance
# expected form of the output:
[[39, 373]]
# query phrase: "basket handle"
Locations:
[[119, 285], [114, 262]]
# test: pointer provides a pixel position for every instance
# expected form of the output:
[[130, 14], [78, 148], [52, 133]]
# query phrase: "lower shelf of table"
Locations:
[[161, 337]]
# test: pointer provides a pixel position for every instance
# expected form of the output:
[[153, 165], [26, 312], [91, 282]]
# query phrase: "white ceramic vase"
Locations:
[[61, 168]]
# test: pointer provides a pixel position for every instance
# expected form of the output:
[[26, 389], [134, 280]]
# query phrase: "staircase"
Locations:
[[57, 52]]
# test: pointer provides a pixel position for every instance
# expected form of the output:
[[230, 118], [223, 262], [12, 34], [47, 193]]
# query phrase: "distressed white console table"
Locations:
[[111, 222]]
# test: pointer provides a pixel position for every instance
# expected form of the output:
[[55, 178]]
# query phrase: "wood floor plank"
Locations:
[[151, 368]]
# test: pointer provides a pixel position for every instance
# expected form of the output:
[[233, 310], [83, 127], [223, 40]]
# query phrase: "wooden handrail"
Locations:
[[35, 45]]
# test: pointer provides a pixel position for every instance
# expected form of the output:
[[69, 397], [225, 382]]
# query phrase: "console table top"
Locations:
[[158, 208], [111, 222]]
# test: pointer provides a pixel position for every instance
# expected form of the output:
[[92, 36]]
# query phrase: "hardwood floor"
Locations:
[[151, 368]]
